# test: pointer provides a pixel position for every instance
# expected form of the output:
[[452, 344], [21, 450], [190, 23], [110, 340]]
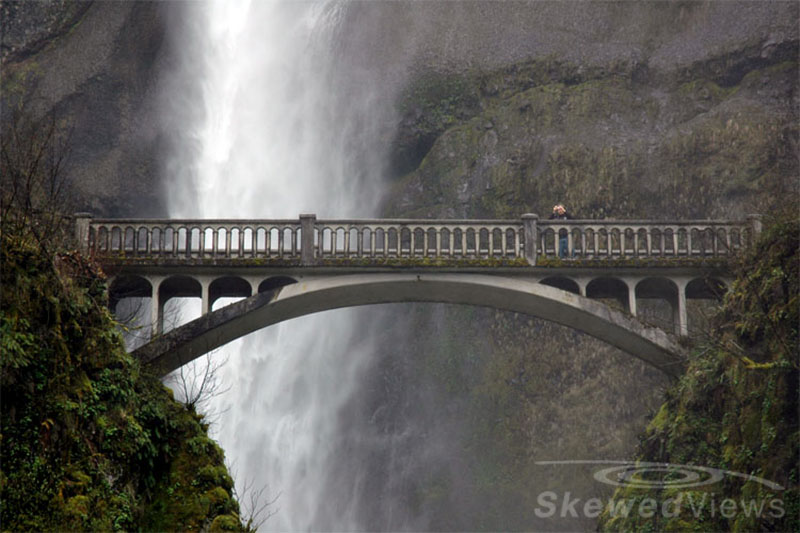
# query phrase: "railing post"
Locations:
[[529, 221], [756, 225], [82, 221], [307, 239]]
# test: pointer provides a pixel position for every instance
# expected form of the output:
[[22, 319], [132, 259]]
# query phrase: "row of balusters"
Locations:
[[499, 240], [614, 241], [329, 241]]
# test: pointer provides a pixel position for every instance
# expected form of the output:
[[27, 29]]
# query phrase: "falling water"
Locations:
[[273, 125]]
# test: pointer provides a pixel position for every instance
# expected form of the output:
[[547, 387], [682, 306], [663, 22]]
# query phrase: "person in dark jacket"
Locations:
[[560, 213]]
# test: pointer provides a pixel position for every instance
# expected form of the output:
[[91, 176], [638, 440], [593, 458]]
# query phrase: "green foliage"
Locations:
[[90, 442], [736, 408]]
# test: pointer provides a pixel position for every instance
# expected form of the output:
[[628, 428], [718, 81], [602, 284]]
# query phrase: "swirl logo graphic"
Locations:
[[643, 475]]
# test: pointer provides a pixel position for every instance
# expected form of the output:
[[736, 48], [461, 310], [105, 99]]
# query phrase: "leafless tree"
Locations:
[[34, 199], [255, 507], [197, 383]]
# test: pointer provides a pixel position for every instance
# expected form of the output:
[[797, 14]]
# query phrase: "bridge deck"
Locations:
[[609, 260]]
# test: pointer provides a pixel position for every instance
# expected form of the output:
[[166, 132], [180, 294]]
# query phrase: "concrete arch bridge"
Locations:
[[284, 269]]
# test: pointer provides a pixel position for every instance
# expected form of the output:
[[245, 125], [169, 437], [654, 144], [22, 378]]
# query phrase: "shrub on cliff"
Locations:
[[89, 440], [735, 409]]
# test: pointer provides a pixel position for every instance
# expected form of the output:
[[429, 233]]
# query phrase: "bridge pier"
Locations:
[[631, 296], [156, 307], [679, 313], [205, 298]]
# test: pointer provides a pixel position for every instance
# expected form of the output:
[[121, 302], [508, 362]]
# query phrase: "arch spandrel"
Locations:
[[215, 329]]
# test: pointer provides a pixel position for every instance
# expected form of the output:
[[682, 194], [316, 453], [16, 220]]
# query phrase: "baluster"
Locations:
[[677, 241], [569, 240], [728, 241], [583, 242], [714, 243]]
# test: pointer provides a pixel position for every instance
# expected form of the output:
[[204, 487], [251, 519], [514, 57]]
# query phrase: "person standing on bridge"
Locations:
[[560, 213]]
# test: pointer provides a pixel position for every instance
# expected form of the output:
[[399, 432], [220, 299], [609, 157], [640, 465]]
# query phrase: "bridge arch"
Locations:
[[128, 286], [706, 288], [563, 283], [179, 286], [607, 287], [184, 344], [228, 287]]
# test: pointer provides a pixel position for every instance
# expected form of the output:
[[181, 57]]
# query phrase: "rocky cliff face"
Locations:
[[92, 68], [97, 65]]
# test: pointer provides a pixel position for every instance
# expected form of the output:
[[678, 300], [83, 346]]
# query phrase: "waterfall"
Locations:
[[272, 123]]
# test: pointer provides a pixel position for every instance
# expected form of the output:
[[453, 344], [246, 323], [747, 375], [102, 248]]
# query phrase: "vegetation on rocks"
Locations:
[[88, 440], [735, 409]]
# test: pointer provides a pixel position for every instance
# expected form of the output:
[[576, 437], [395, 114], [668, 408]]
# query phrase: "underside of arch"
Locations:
[[182, 345], [128, 287]]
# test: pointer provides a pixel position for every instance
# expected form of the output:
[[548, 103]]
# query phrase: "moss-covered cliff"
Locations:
[[736, 409], [610, 142], [717, 138], [89, 441]]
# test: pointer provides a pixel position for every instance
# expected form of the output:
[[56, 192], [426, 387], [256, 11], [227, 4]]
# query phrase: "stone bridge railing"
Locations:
[[309, 241]]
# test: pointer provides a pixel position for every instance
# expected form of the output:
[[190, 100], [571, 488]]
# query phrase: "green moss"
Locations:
[[736, 408], [90, 441]]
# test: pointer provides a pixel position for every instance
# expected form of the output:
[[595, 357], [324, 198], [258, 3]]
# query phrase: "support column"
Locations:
[[82, 221], [582, 282], [307, 239], [531, 235], [679, 314], [156, 309], [205, 297], [631, 296], [254, 283]]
